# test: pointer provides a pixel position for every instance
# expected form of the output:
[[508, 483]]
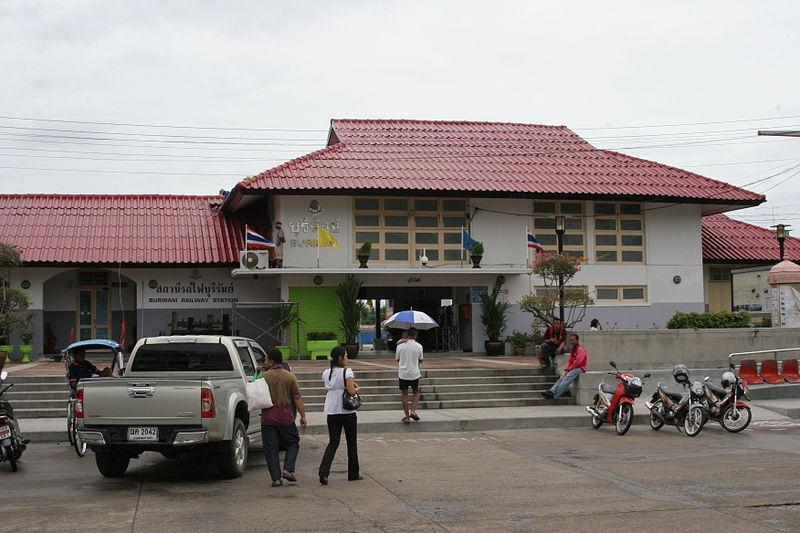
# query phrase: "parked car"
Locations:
[[178, 393]]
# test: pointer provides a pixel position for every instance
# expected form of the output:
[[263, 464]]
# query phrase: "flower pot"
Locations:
[[26, 350], [351, 349], [363, 260], [495, 348], [7, 349], [476, 260], [518, 350]]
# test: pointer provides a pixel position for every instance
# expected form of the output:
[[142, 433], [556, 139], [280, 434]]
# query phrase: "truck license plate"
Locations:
[[143, 433], [5, 432]]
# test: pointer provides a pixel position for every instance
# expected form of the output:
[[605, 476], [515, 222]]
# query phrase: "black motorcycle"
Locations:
[[11, 445], [724, 404], [684, 410]]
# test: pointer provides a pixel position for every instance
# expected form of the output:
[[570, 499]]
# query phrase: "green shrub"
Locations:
[[724, 319], [321, 336]]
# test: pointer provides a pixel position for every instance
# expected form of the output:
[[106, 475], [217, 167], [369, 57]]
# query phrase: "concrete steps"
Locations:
[[46, 396]]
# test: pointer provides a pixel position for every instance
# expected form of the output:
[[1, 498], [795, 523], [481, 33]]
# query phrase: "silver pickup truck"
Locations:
[[177, 394]]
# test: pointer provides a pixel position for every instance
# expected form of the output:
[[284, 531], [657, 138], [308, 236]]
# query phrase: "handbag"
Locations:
[[350, 402], [258, 396]]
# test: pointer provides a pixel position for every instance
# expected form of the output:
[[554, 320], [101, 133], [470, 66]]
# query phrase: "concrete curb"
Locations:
[[431, 426]]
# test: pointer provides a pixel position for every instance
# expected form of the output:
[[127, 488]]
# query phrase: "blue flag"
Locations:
[[469, 242]]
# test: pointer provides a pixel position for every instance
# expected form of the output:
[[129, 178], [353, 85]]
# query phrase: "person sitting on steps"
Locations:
[[576, 365]]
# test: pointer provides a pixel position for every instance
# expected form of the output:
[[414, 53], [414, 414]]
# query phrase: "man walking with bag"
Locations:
[[277, 422]]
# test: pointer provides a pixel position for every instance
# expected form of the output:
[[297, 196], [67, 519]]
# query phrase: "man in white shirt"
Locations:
[[409, 356]]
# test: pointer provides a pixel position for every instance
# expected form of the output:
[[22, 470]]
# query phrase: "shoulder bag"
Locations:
[[350, 402]]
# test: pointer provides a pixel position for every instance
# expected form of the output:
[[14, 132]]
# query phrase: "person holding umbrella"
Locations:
[[409, 356]]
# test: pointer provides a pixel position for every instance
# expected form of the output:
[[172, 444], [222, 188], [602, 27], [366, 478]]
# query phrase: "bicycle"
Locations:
[[75, 439], [72, 424]]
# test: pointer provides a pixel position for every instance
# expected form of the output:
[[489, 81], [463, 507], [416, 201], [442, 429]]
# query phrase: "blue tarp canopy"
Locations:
[[96, 344]]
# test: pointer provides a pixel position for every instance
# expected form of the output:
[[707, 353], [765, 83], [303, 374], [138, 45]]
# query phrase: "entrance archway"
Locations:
[[88, 304]]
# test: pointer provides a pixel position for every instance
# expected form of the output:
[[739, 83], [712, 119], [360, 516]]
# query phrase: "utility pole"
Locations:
[[779, 133]]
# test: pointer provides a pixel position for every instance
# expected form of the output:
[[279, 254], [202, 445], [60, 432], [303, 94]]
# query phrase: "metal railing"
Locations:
[[759, 352]]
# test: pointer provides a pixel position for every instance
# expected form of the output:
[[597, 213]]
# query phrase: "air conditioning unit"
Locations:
[[254, 260]]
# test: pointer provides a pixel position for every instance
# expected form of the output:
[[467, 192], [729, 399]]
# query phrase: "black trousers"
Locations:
[[336, 423]]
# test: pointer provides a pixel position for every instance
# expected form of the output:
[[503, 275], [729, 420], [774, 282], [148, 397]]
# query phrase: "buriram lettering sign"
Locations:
[[304, 228], [190, 293]]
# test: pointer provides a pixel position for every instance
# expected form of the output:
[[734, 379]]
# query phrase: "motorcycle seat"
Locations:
[[608, 389], [674, 396], [719, 391]]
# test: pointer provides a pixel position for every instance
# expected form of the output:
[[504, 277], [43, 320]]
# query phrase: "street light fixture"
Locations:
[[780, 231], [560, 230]]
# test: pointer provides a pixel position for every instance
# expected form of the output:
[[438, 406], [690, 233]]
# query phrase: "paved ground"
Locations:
[[575, 479]]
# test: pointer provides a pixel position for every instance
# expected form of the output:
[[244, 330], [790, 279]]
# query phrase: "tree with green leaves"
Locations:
[[14, 303], [350, 307], [556, 271], [495, 312]]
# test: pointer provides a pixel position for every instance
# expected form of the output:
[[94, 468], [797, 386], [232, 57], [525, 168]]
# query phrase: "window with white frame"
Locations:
[[620, 294], [618, 233], [401, 228], [544, 226]]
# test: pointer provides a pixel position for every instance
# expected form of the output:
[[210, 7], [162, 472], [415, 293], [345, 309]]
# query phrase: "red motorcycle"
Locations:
[[615, 406]]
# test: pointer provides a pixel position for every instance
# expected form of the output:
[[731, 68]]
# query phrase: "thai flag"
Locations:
[[254, 241], [533, 243]]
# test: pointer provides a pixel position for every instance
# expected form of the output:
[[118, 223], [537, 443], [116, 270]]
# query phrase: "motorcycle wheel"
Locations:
[[12, 458], [623, 418], [657, 423], [693, 423], [735, 419], [596, 422]]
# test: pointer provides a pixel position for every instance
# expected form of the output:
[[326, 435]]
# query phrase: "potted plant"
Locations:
[[286, 316], [363, 254], [476, 254], [26, 335], [518, 342], [350, 308], [494, 319]]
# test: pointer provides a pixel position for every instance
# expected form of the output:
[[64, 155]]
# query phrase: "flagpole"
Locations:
[[527, 249], [462, 247], [318, 247], [245, 237]]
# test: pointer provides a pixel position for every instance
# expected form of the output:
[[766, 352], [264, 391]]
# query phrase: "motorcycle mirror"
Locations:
[[613, 364], [646, 375], [3, 375]]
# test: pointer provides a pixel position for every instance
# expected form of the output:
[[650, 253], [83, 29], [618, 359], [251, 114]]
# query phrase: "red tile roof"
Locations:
[[61, 228], [728, 240], [484, 157]]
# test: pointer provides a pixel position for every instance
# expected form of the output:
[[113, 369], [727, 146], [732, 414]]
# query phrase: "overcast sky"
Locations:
[[271, 65]]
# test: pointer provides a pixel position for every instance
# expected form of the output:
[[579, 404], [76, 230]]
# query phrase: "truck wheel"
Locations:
[[111, 464], [233, 459]]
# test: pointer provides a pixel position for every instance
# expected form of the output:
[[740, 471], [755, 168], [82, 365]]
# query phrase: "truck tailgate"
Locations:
[[141, 401]]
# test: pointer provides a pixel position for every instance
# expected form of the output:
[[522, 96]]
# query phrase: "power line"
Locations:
[[159, 135], [644, 126], [139, 125], [124, 160], [166, 141], [96, 171]]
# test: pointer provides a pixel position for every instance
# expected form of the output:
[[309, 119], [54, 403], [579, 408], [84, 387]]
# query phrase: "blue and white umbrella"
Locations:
[[410, 319]]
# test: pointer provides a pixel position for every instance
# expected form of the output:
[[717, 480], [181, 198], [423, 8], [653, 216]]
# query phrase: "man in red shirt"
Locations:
[[576, 365], [277, 422], [554, 340]]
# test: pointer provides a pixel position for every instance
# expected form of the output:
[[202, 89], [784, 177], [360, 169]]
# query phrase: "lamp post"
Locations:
[[780, 231], [560, 229]]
